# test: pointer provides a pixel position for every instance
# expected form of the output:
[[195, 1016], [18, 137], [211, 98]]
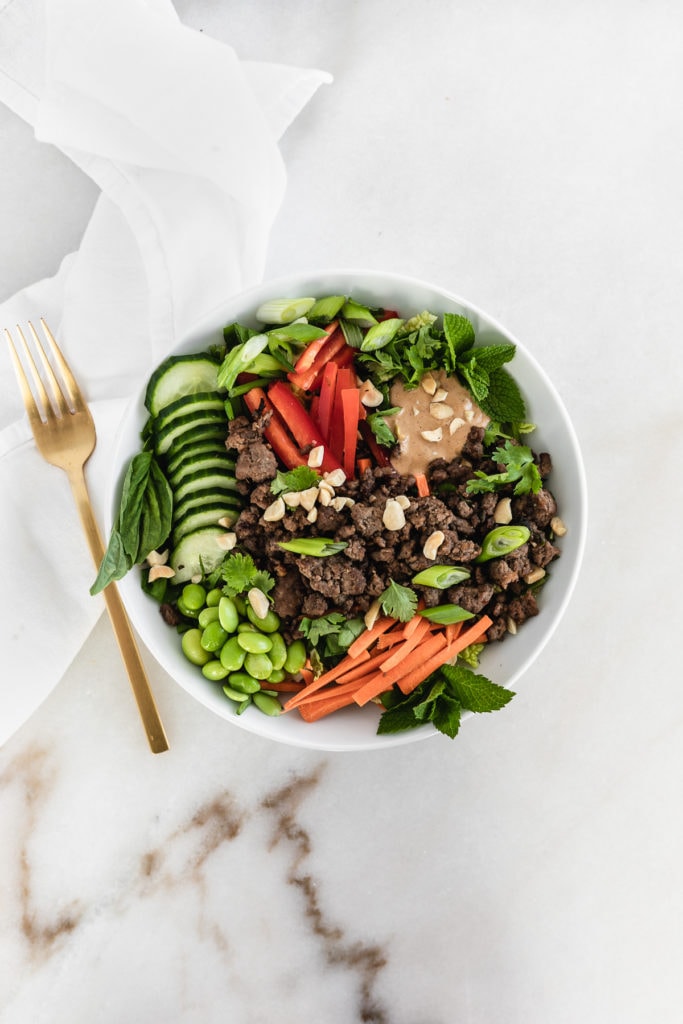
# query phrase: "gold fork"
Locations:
[[64, 431]]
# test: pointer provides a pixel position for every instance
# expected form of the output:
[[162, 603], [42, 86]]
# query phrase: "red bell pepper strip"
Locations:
[[346, 378], [351, 414], [335, 348], [310, 353], [306, 431], [275, 433], [327, 391]]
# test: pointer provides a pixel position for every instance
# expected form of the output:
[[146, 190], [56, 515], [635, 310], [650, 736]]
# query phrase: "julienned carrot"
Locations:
[[364, 464], [335, 702], [331, 676], [407, 646], [362, 642], [286, 686], [414, 661], [422, 485], [390, 639], [453, 630], [411, 625], [408, 681]]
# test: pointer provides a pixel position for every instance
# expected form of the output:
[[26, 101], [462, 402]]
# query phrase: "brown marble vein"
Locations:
[[30, 770], [366, 960]]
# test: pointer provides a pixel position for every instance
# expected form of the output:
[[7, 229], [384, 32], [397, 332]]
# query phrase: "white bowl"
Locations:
[[504, 663]]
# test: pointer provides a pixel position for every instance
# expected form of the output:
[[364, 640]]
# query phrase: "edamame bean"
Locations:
[[296, 657], [192, 647], [213, 597], [240, 604], [278, 651], [232, 655], [277, 675], [241, 698], [247, 627], [227, 614], [258, 665], [194, 596], [267, 704], [214, 671], [189, 613], [243, 683], [268, 624], [254, 643], [206, 616], [213, 637]]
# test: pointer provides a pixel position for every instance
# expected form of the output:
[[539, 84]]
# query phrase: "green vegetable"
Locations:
[[380, 428], [254, 643], [240, 359], [227, 614], [298, 479], [213, 637], [206, 616], [283, 311], [268, 704], [232, 655], [501, 541], [446, 614], [317, 547], [399, 602], [296, 657], [258, 665], [326, 309], [380, 334], [336, 632], [214, 671], [356, 313], [143, 522], [441, 576], [520, 469], [441, 699], [240, 574], [192, 647]]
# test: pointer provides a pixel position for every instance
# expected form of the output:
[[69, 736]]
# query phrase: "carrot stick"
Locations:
[[286, 686], [364, 464], [422, 485], [314, 712], [407, 682], [390, 639], [330, 676], [453, 631], [407, 646], [362, 642], [414, 661], [411, 625]]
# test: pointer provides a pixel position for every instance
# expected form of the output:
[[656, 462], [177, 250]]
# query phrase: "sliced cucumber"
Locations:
[[196, 482], [178, 376], [199, 500], [193, 452], [172, 436], [198, 403], [198, 552], [208, 515], [199, 465], [204, 432]]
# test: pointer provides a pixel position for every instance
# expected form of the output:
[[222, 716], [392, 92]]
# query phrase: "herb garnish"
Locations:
[[520, 469], [399, 602], [441, 699], [143, 522], [298, 479], [240, 573]]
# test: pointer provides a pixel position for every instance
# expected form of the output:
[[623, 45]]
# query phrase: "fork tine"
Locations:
[[55, 386], [74, 392], [37, 413]]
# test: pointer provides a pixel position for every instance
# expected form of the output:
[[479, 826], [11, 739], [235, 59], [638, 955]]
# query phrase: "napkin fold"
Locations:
[[181, 137]]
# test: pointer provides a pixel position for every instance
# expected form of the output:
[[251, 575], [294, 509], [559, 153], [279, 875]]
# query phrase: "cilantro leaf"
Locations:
[[298, 479], [240, 573], [398, 602], [335, 630], [475, 692], [520, 469], [381, 429], [324, 625]]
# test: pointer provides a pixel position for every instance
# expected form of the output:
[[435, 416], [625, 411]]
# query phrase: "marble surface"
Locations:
[[529, 157]]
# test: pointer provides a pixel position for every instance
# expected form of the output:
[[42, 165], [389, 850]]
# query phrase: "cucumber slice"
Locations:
[[210, 480], [178, 376], [206, 516], [198, 465], [197, 552], [200, 402], [204, 432], [200, 499], [173, 435], [194, 450]]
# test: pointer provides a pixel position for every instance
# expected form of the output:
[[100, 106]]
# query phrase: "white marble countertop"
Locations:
[[530, 158]]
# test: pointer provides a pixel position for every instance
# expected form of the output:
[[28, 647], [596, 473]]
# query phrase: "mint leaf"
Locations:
[[504, 401], [446, 717], [478, 380], [491, 357], [475, 692], [459, 334]]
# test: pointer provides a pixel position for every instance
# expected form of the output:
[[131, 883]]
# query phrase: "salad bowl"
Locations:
[[505, 663]]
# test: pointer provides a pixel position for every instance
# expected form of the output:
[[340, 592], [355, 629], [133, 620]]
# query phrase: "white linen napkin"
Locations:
[[181, 136]]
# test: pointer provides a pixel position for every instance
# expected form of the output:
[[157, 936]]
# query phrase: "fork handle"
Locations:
[[122, 627]]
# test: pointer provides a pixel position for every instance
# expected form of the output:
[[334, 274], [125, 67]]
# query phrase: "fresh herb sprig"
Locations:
[[441, 699], [143, 521], [422, 344], [519, 469]]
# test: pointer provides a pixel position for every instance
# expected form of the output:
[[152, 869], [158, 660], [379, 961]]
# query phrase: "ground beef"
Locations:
[[350, 580]]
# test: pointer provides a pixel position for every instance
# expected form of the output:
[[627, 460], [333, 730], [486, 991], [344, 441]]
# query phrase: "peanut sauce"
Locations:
[[424, 433]]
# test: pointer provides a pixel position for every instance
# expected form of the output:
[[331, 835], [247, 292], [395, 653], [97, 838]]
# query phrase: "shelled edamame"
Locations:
[[233, 645]]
